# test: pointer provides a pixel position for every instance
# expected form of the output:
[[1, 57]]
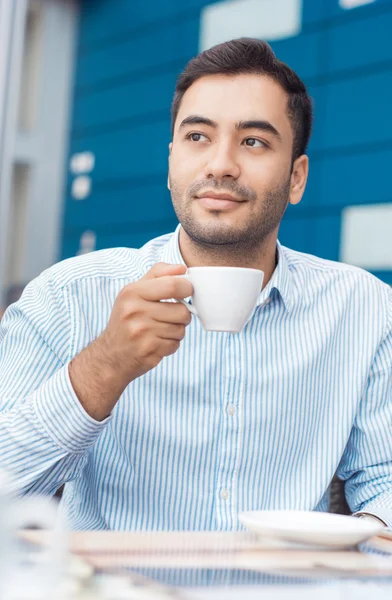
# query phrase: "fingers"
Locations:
[[168, 347], [165, 288], [164, 269], [171, 312], [170, 331]]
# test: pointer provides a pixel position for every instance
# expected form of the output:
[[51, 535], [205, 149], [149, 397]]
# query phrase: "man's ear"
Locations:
[[299, 178]]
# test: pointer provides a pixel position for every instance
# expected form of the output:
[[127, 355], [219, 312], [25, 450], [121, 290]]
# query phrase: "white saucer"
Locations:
[[315, 528]]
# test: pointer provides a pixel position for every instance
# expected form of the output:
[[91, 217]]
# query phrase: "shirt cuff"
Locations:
[[382, 514], [62, 416]]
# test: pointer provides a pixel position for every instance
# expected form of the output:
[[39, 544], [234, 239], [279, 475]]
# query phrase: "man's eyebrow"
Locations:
[[198, 120], [265, 126], [262, 125]]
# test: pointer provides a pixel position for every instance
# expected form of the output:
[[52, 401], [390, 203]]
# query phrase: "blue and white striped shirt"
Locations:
[[260, 419]]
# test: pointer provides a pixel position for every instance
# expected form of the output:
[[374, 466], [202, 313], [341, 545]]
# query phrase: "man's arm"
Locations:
[[54, 406], [367, 462], [45, 434]]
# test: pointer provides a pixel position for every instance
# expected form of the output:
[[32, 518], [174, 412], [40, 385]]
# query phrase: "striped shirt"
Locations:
[[260, 419]]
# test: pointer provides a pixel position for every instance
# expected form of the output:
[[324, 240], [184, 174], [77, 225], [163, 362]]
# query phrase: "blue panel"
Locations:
[[133, 99], [356, 179], [317, 94], [295, 232], [315, 10], [131, 55], [358, 111], [177, 41], [334, 9], [69, 247], [360, 43], [311, 196], [188, 34], [137, 152], [100, 18], [106, 207], [318, 235], [134, 239], [301, 53], [103, 19], [124, 238], [326, 236], [385, 276]]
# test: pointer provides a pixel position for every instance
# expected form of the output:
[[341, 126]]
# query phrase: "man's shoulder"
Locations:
[[307, 268], [110, 264]]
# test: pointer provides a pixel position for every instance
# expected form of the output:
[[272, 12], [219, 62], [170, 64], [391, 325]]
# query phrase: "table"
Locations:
[[201, 563]]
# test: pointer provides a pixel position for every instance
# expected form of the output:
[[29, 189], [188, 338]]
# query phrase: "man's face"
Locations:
[[231, 158]]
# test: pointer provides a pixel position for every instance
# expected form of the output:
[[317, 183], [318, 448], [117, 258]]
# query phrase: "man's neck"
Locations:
[[263, 258]]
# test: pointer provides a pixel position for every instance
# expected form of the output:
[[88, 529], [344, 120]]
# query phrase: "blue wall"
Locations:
[[129, 56]]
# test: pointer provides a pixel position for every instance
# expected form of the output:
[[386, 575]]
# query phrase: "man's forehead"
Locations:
[[235, 98]]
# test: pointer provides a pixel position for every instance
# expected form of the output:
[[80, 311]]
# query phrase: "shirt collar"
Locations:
[[171, 253], [281, 279]]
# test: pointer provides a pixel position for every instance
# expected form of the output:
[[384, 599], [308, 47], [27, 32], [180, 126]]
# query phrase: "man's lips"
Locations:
[[215, 201]]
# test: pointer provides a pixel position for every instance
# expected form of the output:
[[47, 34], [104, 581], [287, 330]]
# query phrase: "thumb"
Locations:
[[164, 269]]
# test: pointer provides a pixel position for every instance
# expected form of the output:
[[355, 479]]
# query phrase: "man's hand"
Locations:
[[141, 331]]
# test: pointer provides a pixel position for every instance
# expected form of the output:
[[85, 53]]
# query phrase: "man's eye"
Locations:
[[254, 143], [196, 137]]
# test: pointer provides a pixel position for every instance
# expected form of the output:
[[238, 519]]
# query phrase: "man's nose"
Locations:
[[222, 163]]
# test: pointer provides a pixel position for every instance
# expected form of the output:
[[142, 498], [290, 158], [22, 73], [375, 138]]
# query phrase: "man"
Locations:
[[153, 423]]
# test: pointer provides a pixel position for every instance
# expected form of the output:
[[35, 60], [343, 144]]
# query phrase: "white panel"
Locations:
[[367, 236], [12, 25], [6, 20], [264, 19], [82, 162], [81, 187], [17, 223], [47, 181], [31, 68], [47, 45], [354, 3], [88, 242]]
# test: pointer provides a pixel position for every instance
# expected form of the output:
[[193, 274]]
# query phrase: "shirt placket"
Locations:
[[231, 414]]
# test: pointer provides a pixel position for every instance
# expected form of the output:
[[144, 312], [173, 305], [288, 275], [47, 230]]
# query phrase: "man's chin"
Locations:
[[212, 234], [216, 221]]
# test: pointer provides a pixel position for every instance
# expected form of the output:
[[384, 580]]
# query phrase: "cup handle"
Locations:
[[190, 307]]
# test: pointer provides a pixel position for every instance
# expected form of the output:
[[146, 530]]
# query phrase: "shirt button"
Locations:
[[231, 410], [225, 494]]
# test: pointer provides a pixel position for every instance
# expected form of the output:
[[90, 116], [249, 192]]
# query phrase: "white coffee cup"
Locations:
[[224, 298]]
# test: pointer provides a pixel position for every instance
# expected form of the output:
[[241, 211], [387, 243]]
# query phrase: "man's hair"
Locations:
[[252, 56]]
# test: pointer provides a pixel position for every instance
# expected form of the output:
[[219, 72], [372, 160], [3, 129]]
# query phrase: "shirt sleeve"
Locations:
[[367, 462], [45, 434]]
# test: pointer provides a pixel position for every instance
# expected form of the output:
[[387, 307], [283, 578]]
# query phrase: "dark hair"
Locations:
[[247, 55]]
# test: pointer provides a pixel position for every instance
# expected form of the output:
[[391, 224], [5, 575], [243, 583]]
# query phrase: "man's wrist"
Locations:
[[95, 382]]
